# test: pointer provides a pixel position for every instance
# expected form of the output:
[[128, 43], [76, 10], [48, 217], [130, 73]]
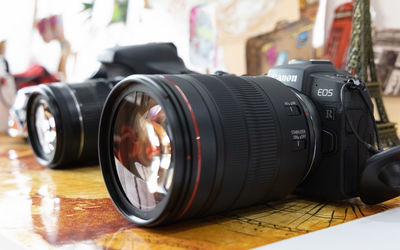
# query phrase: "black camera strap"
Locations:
[[352, 85]]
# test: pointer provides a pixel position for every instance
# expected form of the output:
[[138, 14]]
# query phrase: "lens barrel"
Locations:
[[235, 141], [76, 110]]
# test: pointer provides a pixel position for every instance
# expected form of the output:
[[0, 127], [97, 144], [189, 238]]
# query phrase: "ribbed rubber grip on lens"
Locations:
[[262, 132], [91, 97], [250, 139]]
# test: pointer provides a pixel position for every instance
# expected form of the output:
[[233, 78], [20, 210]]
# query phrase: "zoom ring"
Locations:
[[262, 140], [91, 98]]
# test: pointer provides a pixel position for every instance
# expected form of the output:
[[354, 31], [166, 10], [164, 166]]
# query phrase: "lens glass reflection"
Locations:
[[142, 150], [45, 127]]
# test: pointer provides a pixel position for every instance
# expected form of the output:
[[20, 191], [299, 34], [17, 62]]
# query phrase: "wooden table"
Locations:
[[42, 208]]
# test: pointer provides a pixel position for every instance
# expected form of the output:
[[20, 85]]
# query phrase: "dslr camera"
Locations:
[[62, 118], [173, 147]]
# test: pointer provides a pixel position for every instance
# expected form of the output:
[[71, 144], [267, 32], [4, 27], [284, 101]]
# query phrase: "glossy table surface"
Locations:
[[71, 209]]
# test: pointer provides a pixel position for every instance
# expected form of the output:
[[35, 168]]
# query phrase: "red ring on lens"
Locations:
[[198, 142]]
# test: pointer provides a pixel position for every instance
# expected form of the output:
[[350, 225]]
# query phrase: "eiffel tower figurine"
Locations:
[[361, 64]]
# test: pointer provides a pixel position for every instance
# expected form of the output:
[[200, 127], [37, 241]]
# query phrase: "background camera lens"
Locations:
[[62, 121]]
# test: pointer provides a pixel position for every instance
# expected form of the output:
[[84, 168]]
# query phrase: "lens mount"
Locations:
[[314, 124]]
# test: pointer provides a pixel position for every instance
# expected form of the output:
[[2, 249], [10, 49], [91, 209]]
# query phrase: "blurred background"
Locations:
[[65, 36]]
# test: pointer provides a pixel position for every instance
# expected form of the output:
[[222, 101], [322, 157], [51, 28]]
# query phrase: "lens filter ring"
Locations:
[[134, 162]]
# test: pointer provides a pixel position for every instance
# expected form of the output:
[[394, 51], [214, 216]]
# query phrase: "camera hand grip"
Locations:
[[380, 180]]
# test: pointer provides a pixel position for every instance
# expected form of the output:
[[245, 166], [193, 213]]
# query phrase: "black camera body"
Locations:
[[336, 172], [221, 142]]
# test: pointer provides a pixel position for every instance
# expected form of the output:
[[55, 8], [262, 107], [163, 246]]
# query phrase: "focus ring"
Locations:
[[234, 150], [250, 141], [91, 97], [262, 140]]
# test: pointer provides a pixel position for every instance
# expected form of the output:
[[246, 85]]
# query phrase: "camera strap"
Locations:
[[355, 85]]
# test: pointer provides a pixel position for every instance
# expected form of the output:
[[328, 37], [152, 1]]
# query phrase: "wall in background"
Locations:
[[148, 21], [385, 14], [151, 21]]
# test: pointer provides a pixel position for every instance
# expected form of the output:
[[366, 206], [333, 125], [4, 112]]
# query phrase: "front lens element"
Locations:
[[45, 127], [142, 150]]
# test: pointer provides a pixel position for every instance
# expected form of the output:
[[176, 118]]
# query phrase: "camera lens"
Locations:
[[180, 146], [62, 121]]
